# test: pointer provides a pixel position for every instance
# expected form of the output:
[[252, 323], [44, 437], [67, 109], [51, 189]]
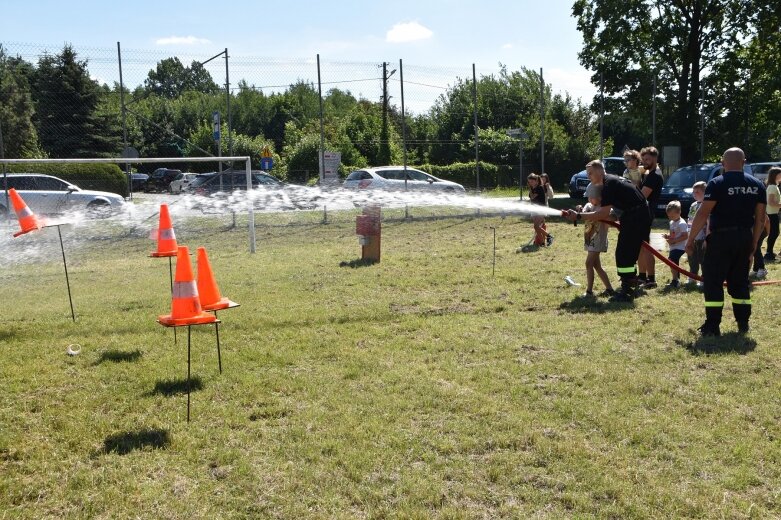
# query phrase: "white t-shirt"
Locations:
[[677, 229], [693, 213], [772, 189]]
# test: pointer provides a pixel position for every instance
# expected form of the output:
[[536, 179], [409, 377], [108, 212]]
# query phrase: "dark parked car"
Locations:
[[160, 179], [678, 185], [579, 181], [138, 180], [229, 181], [228, 190]]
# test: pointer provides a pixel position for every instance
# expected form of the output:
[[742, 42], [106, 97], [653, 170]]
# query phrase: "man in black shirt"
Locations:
[[735, 203], [623, 195], [651, 188]]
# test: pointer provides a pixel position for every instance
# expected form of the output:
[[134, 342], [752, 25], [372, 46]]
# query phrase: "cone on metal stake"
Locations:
[[208, 292], [27, 219], [166, 238], [185, 304]]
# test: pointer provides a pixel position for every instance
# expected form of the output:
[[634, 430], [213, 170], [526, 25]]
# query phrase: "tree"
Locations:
[[67, 99], [20, 139], [680, 41], [171, 79]]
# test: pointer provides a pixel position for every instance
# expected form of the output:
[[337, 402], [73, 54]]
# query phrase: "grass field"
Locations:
[[419, 387]]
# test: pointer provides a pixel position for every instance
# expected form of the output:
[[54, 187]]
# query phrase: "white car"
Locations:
[[392, 177], [760, 169], [179, 184], [48, 195]]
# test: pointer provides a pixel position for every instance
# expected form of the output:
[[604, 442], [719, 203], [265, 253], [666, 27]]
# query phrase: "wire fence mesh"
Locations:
[[273, 103]]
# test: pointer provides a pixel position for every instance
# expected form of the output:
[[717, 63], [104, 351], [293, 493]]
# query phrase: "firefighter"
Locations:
[[735, 203], [619, 194]]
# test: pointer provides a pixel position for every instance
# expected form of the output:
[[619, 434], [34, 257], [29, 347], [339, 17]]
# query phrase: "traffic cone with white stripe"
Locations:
[[166, 238], [208, 292], [27, 219], [185, 305]]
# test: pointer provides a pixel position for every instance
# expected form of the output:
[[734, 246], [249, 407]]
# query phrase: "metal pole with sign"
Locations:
[[216, 133]]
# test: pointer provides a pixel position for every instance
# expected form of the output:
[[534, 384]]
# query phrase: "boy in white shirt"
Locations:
[[676, 238]]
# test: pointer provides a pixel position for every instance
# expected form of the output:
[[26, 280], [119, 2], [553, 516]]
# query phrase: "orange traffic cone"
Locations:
[[208, 292], [27, 219], [166, 239], [185, 305]]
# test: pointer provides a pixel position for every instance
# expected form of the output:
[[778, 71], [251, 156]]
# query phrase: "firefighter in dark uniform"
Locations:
[[735, 203], [620, 194]]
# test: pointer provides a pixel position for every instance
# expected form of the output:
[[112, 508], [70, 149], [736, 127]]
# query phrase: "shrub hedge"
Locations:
[[88, 176], [464, 173]]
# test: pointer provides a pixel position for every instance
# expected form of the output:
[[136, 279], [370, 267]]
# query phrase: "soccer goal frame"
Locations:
[[126, 160]]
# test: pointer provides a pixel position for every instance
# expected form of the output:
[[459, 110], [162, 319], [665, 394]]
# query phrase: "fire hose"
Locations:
[[678, 268]]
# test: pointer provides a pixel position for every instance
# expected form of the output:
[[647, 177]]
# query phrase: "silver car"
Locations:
[[392, 178], [48, 195]]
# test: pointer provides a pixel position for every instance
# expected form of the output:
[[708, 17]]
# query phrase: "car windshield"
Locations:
[[762, 168], [686, 177], [200, 179], [614, 166]]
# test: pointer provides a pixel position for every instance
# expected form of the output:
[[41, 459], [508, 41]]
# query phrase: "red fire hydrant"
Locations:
[[369, 231]]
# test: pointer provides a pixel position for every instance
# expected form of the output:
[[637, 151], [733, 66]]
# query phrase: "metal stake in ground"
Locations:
[[188, 371], [171, 279], [67, 281], [493, 266]]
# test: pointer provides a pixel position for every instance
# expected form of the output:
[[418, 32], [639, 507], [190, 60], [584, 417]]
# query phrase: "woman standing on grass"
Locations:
[[773, 204]]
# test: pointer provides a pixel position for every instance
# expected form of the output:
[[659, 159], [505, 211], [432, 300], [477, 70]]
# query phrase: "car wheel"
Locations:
[[98, 209]]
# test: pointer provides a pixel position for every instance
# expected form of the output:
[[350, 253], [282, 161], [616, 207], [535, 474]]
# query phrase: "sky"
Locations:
[[436, 39]]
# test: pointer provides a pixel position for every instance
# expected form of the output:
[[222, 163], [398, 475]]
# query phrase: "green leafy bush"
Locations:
[[464, 173]]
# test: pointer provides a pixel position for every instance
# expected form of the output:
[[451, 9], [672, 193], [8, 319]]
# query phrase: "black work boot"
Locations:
[[712, 322], [742, 314]]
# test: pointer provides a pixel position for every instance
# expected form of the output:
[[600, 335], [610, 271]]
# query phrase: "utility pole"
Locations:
[[385, 155]]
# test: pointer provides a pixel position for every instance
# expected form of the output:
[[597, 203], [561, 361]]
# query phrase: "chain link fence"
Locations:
[[170, 104]]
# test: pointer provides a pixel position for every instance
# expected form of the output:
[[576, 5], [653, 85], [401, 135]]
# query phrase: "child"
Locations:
[[679, 233], [537, 196], [595, 240], [758, 272], [697, 256]]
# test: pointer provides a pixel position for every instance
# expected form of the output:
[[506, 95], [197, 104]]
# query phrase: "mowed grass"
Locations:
[[419, 387]]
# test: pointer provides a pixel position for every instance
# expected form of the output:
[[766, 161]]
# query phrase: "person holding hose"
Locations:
[[622, 195], [735, 203]]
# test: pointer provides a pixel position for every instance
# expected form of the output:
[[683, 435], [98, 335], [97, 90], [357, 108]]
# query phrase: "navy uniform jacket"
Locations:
[[736, 195]]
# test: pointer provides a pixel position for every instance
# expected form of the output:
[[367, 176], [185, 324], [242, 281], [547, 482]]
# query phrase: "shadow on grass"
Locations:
[[358, 262], [582, 304], [528, 248], [729, 343], [124, 442], [118, 356], [171, 387], [6, 334]]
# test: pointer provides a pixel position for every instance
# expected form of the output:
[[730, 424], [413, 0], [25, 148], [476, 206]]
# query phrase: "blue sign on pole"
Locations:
[[216, 125], [266, 163]]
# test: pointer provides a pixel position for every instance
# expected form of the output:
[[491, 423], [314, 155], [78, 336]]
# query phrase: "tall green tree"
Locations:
[[67, 99], [20, 139], [170, 79], [627, 42]]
